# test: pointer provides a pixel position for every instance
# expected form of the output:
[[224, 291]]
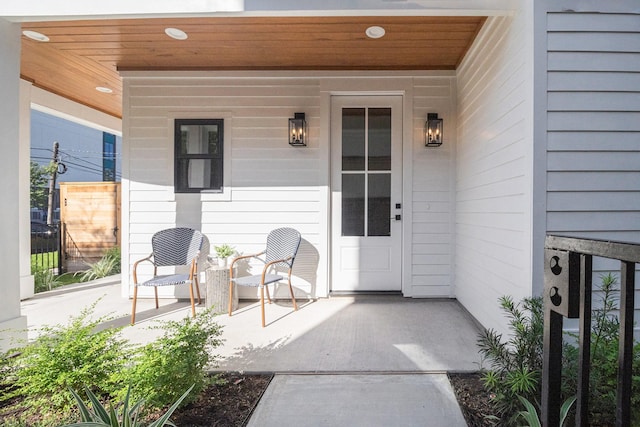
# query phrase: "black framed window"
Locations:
[[108, 157], [199, 147]]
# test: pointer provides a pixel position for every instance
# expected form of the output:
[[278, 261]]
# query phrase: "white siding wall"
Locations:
[[494, 169], [432, 185], [593, 139], [272, 184]]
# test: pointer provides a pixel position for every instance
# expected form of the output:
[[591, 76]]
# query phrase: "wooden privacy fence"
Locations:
[[567, 293], [90, 220]]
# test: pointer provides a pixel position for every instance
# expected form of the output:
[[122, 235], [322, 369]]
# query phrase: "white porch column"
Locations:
[[12, 324], [24, 188]]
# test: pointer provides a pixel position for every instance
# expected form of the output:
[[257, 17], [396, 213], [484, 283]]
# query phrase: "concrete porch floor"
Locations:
[[384, 351]]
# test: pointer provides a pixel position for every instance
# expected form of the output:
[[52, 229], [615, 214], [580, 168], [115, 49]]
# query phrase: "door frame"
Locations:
[[401, 87]]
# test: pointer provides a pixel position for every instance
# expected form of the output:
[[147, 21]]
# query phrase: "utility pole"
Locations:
[[52, 182]]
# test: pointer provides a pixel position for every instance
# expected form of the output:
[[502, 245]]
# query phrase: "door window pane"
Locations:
[[353, 202], [353, 139], [379, 205], [380, 139]]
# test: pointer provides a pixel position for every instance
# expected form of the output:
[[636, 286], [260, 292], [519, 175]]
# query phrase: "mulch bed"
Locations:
[[229, 404], [474, 400]]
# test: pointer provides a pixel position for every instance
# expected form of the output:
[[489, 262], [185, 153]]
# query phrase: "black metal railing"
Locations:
[[567, 293], [45, 245]]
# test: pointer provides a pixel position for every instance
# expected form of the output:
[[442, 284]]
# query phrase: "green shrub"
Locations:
[[44, 279], [126, 416], [515, 364], [603, 379], [530, 414], [175, 361], [114, 253], [108, 265], [63, 357]]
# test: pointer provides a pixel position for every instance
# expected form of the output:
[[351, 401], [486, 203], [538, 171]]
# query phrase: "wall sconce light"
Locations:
[[298, 130], [433, 131]]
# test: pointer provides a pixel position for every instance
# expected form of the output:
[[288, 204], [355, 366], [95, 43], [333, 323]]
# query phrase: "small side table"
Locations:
[[217, 289]]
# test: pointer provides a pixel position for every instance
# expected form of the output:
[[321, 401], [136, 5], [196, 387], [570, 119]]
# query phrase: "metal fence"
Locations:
[[567, 293], [45, 245]]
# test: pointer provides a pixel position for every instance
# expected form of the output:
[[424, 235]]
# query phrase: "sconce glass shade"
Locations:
[[433, 131], [298, 130]]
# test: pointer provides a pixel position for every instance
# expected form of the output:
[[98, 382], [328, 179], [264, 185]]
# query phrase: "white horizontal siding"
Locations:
[[432, 197], [272, 184], [494, 170], [593, 151]]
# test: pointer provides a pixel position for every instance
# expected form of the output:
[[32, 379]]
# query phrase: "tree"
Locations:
[[39, 178]]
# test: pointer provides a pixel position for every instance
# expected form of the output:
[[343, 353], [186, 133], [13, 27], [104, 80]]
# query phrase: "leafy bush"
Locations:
[[175, 361], [516, 363], [530, 414], [98, 415], [63, 357], [44, 279], [107, 265], [603, 379]]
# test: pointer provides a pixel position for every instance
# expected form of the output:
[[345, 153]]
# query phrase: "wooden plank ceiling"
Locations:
[[82, 55]]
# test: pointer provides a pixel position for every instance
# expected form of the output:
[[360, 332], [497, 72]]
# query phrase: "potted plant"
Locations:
[[223, 252]]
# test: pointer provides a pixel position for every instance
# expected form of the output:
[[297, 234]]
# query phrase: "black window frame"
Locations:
[[217, 159]]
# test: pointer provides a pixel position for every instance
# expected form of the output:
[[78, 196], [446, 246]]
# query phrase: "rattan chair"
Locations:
[[171, 247], [281, 250]]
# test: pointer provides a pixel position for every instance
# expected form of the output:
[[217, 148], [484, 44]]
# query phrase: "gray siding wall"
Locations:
[[593, 137]]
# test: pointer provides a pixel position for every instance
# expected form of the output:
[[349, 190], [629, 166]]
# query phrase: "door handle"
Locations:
[[397, 217]]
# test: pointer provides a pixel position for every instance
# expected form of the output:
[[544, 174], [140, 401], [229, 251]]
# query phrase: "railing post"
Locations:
[[551, 368], [584, 356], [568, 272], [625, 351], [59, 248]]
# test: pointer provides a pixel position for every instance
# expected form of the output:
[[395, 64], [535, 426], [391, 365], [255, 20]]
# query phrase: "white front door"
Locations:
[[366, 193]]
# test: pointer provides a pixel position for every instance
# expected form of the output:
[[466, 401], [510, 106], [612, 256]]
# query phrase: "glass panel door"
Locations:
[[366, 181]]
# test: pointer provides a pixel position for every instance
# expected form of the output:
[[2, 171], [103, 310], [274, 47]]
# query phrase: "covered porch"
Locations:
[[346, 334]]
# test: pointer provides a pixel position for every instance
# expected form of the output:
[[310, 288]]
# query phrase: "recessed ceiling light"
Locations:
[[34, 35], [375, 32], [176, 33], [104, 89]]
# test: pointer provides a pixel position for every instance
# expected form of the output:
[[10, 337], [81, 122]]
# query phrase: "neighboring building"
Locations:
[[88, 154], [541, 134]]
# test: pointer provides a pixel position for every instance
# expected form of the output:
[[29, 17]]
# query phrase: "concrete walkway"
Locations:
[[366, 400], [342, 361]]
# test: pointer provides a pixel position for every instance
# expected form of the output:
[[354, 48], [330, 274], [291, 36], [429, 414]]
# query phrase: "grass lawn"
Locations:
[[44, 260], [48, 261]]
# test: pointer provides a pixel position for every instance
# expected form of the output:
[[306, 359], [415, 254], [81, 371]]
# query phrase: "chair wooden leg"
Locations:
[[193, 306], [230, 297], [268, 295], [133, 309], [293, 298], [262, 303], [198, 290], [155, 288]]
